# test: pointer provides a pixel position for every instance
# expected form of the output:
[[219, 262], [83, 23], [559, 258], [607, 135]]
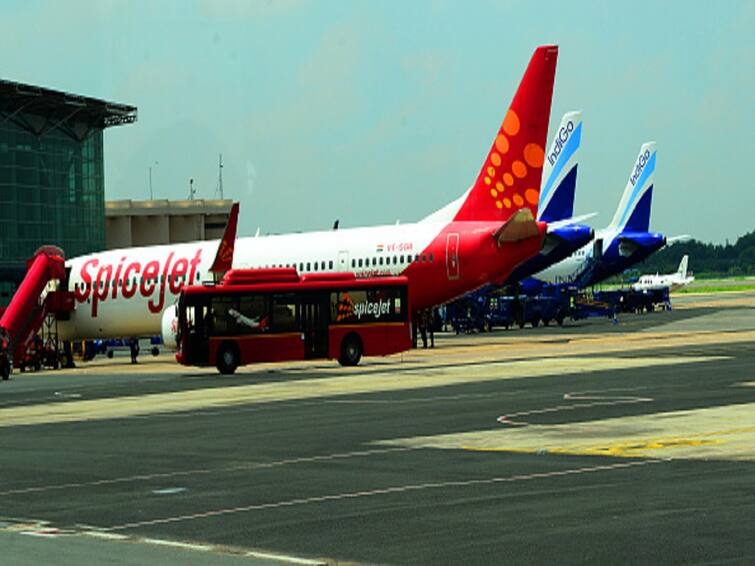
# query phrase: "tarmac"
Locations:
[[600, 441]]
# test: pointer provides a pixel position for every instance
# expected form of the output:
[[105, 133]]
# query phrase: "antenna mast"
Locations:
[[220, 176]]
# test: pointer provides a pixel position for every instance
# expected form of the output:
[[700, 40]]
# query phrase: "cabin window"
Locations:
[[380, 261], [353, 263], [431, 258], [330, 264], [360, 262]]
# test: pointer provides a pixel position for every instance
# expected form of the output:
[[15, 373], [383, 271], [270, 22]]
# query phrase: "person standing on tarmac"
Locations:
[[134, 348], [423, 327]]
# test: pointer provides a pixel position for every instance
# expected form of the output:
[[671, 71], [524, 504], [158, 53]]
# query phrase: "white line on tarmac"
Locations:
[[204, 471], [384, 491], [177, 544], [105, 536], [285, 558]]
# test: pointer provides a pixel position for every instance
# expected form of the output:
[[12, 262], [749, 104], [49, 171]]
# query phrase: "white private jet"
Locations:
[[673, 281]]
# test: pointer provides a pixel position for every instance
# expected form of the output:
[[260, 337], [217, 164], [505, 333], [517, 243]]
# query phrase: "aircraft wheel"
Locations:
[[560, 320], [546, 321], [4, 370], [110, 354], [351, 350], [535, 322], [155, 351], [228, 358]]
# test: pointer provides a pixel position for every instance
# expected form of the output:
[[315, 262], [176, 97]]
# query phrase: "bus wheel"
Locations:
[[351, 350], [228, 358]]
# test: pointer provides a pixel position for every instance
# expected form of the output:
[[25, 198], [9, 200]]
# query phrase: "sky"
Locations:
[[373, 112]]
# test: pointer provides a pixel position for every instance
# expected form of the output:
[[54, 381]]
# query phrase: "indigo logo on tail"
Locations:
[[639, 166], [558, 144]]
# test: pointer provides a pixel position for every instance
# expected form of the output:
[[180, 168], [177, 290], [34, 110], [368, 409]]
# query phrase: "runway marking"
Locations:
[[341, 385], [383, 491], [106, 536], [177, 544], [169, 490], [598, 401], [206, 471], [722, 433], [285, 558]]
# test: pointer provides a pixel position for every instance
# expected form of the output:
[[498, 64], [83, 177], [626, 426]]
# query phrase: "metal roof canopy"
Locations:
[[39, 110]]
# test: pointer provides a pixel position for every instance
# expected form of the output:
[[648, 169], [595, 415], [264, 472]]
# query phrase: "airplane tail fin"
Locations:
[[633, 213], [510, 176], [560, 170], [224, 256], [683, 266]]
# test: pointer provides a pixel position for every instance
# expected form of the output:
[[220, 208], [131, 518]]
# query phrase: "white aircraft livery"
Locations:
[[673, 281], [478, 239]]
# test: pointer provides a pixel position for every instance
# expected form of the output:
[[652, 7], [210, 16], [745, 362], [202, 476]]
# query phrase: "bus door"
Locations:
[[314, 325], [197, 328]]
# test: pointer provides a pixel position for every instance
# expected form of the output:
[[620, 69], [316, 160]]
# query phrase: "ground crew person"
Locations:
[[134, 349]]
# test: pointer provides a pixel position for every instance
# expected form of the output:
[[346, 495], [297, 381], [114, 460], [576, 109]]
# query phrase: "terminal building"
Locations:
[[51, 174], [152, 222]]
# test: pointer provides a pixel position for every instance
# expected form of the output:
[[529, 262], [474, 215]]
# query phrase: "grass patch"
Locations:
[[691, 290]]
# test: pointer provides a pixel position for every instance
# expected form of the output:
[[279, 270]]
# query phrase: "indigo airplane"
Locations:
[[565, 234], [624, 242]]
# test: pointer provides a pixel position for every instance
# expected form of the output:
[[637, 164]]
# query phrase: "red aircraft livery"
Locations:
[[475, 240]]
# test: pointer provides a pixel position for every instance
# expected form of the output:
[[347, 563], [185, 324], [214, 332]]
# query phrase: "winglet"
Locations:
[[224, 257]]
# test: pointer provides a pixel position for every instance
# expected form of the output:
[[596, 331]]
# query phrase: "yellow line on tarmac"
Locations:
[[697, 434]]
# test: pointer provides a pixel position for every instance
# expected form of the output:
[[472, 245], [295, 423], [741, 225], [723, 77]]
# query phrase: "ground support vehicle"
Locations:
[[269, 315]]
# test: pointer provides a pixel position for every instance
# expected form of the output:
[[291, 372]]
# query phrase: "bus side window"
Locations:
[[223, 321], [252, 316], [284, 313]]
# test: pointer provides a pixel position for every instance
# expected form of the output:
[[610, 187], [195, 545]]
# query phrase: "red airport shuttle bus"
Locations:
[[270, 315]]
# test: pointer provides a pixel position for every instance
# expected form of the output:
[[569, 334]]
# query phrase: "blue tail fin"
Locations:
[[560, 170], [633, 213]]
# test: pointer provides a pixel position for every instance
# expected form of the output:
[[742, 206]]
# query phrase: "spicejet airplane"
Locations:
[[477, 239]]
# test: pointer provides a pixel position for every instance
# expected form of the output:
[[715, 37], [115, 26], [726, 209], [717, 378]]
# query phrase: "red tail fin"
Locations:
[[224, 256], [510, 176]]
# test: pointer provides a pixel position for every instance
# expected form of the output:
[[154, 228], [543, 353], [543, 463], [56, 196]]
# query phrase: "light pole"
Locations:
[[151, 195]]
